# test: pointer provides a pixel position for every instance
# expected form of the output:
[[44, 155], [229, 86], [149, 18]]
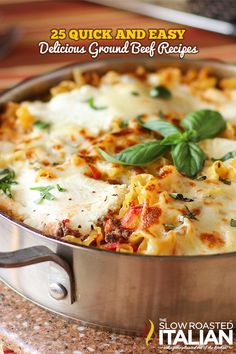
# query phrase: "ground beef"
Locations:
[[64, 229], [113, 230]]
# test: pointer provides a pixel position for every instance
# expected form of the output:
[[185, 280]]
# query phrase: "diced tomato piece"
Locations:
[[134, 246], [112, 246], [129, 221], [65, 221], [95, 172], [108, 226]]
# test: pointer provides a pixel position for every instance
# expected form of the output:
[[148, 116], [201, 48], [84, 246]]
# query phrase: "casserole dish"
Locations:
[[117, 291]]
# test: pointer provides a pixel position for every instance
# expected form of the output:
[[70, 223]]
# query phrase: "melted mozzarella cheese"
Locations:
[[228, 108], [71, 110], [203, 228], [218, 147], [83, 203]]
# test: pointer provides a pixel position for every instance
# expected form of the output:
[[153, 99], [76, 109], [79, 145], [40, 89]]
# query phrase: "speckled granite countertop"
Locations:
[[26, 328]]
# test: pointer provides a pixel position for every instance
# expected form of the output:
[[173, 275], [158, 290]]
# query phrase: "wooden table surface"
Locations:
[[23, 326]]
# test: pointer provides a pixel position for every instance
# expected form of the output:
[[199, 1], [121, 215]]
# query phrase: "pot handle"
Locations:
[[35, 255]]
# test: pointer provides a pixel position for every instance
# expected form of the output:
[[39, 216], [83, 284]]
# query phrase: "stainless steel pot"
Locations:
[[114, 290]]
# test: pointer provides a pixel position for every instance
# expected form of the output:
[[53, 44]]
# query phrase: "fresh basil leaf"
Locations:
[[188, 158], [161, 126], [206, 122], [60, 189], [161, 114], [7, 171], [179, 196], [140, 116], [44, 193], [201, 178], [110, 158], [233, 222], [135, 93], [48, 196], [190, 135], [40, 124], [229, 155], [42, 189], [91, 104], [189, 214], [172, 139], [137, 155], [7, 181], [169, 227], [160, 92], [6, 188], [124, 124]]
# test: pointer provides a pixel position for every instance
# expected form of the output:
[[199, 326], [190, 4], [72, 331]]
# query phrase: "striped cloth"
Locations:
[[37, 18]]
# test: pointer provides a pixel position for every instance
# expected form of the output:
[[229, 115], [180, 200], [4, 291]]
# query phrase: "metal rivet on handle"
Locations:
[[57, 291]]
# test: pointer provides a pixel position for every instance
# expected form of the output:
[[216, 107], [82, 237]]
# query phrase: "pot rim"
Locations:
[[98, 64]]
